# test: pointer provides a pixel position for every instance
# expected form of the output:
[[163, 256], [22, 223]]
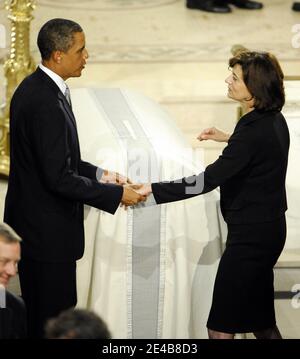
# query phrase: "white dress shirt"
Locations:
[[56, 78]]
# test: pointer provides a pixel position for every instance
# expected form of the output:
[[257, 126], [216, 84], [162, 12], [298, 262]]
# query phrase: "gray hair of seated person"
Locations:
[[77, 324], [56, 35], [8, 235]]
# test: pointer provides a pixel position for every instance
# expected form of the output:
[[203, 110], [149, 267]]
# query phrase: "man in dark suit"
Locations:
[[12, 308], [48, 181], [222, 6]]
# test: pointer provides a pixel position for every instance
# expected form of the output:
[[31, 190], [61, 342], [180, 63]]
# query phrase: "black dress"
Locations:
[[251, 174], [243, 297]]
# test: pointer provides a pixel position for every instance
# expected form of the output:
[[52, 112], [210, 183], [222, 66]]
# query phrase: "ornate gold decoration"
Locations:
[[18, 65]]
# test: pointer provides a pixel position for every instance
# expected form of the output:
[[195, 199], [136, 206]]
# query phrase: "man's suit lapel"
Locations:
[[67, 108], [52, 85]]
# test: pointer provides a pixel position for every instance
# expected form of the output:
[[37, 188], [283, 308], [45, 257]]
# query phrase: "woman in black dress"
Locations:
[[251, 174]]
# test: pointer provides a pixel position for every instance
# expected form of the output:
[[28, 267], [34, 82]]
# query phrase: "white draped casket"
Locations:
[[148, 271]]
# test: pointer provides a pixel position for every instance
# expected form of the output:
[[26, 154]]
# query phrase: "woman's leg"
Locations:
[[271, 333], [213, 334]]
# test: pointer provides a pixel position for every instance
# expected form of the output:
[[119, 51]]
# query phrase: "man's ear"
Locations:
[[57, 56]]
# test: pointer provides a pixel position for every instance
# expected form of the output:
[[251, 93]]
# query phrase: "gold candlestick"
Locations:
[[18, 65]]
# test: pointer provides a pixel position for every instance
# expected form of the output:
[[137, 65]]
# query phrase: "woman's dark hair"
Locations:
[[263, 77]]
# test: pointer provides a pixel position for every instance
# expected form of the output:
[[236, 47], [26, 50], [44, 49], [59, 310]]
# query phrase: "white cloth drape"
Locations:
[[141, 287]]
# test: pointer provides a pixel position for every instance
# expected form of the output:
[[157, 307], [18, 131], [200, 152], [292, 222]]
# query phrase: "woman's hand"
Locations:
[[214, 134], [131, 196], [145, 189], [142, 190]]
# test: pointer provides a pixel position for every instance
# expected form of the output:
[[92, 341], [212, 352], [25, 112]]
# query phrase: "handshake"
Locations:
[[132, 193], [135, 193]]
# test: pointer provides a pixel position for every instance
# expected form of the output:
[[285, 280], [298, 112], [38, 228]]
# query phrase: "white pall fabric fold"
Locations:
[[149, 272]]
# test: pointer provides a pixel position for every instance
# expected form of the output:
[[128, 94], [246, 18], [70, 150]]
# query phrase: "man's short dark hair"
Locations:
[[263, 77], [8, 235], [77, 324], [56, 35]]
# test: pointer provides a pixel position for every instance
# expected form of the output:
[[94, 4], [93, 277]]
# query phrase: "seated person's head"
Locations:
[[77, 324], [256, 80], [10, 252]]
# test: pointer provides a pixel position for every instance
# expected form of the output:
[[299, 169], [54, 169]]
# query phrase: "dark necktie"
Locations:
[[68, 96]]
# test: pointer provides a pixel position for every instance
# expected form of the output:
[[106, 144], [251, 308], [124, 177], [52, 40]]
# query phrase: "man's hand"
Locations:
[[214, 134], [131, 197], [142, 188], [114, 177]]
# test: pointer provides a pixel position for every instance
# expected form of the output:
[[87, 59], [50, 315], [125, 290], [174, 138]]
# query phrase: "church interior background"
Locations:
[[178, 58]]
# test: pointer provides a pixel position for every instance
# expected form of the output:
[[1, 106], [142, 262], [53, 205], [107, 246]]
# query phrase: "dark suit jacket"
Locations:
[[13, 318], [48, 181], [250, 172]]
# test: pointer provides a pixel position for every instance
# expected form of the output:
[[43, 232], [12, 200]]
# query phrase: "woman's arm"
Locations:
[[235, 157]]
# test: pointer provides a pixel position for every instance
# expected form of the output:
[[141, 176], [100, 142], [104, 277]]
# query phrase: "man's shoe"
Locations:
[[208, 5], [296, 6], [246, 4]]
